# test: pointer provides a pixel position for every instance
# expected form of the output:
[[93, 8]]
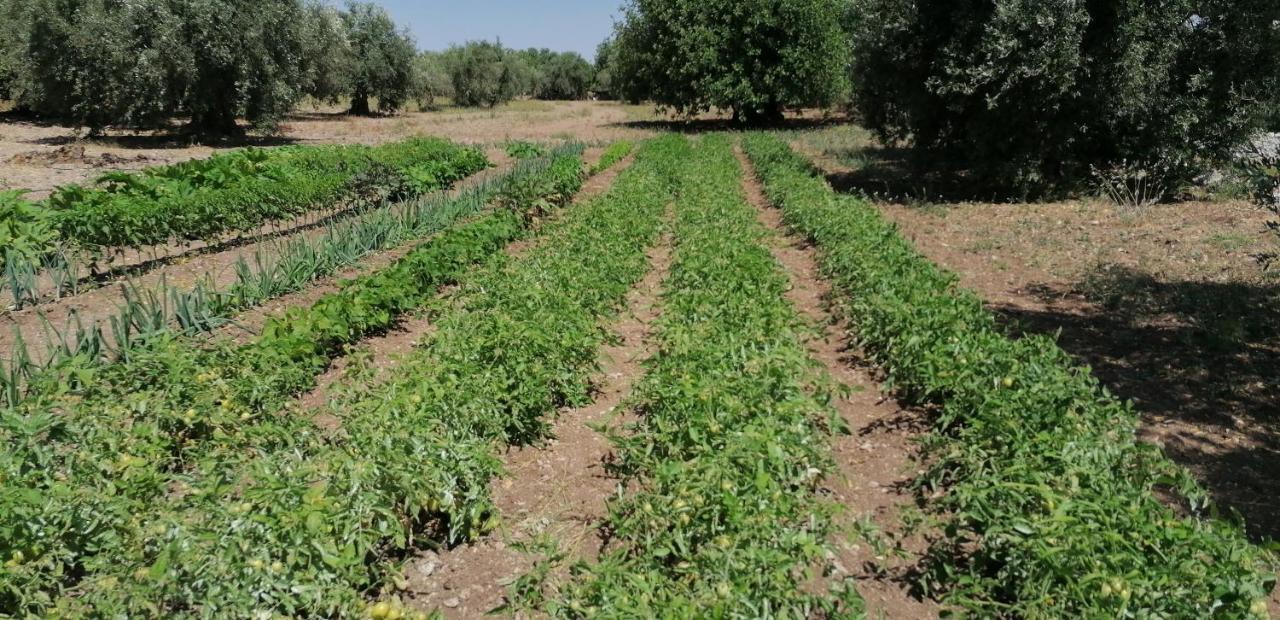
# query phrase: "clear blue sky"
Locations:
[[562, 25]]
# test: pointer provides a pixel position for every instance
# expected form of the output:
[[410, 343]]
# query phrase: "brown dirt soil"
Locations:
[[557, 490], [40, 157], [1166, 304], [878, 459]]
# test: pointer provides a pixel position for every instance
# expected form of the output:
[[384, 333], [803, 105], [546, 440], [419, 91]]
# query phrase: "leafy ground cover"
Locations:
[[1050, 507], [723, 518], [613, 154], [264, 514]]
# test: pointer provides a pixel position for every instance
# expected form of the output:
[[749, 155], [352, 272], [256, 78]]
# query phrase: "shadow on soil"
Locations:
[[698, 126], [1200, 353], [168, 140], [902, 175]]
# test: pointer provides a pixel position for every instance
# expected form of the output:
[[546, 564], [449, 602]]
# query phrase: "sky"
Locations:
[[562, 25]]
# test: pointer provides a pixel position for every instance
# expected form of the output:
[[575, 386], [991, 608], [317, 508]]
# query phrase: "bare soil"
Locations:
[[1167, 304], [558, 490], [877, 460]]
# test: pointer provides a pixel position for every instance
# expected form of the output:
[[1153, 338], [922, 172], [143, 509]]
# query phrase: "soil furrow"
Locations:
[[554, 492], [877, 460]]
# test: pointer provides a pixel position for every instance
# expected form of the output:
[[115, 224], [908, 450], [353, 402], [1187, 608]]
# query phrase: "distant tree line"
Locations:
[[483, 73], [142, 63]]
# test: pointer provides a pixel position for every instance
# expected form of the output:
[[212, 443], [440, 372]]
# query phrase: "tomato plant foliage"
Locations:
[[1049, 502]]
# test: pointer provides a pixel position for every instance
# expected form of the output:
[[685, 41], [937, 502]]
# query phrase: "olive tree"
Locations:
[[602, 84], [328, 58], [565, 76], [383, 59], [754, 57], [96, 63], [1033, 95], [431, 79], [485, 74]]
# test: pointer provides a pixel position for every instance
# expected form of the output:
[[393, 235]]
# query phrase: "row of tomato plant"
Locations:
[[1050, 507], [199, 492], [724, 517], [206, 199], [613, 154]]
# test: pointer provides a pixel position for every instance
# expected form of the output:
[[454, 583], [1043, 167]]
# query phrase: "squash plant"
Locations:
[[26, 232]]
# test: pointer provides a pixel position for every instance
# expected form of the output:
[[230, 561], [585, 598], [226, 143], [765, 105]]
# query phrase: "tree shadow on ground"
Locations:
[[712, 125], [906, 175], [1201, 361]]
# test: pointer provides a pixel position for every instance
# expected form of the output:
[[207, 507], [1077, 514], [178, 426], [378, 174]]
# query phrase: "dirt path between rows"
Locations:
[[385, 351], [558, 490], [877, 461]]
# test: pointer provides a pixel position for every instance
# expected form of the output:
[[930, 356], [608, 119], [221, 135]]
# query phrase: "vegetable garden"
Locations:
[[155, 466]]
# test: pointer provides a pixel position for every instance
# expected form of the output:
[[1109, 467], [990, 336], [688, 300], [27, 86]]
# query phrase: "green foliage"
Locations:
[[1263, 177], [328, 56], [520, 149], [240, 191], [1026, 95], [1049, 506], [384, 58], [432, 80], [557, 76], [754, 57], [612, 155], [722, 518], [534, 196], [26, 233], [101, 62], [147, 445], [603, 84], [485, 74]]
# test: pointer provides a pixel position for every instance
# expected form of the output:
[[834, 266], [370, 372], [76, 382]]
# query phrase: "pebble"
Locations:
[[452, 602]]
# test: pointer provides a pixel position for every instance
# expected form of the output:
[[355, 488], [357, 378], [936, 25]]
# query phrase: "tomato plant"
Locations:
[[1049, 507]]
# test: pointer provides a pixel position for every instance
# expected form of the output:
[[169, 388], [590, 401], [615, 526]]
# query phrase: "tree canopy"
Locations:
[[382, 56], [1031, 94], [96, 63], [754, 57]]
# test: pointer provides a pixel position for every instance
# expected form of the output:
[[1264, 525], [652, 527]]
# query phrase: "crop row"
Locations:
[[84, 466], [252, 510], [613, 154], [205, 199], [1050, 504], [724, 518]]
